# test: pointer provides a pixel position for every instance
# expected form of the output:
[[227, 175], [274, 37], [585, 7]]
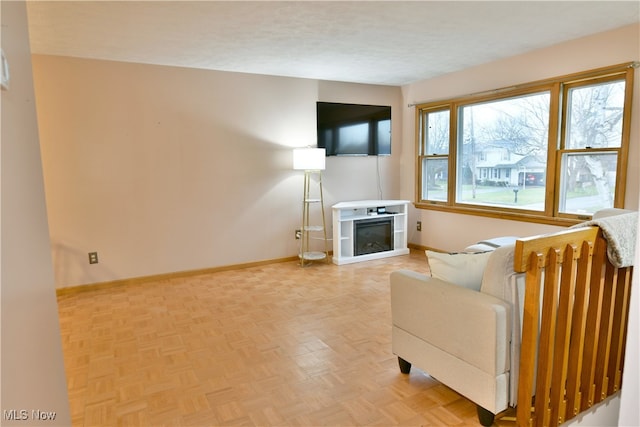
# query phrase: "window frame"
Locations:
[[434, 156], [558, 89]]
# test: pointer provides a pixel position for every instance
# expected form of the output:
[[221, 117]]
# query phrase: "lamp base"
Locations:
[[313, 256]]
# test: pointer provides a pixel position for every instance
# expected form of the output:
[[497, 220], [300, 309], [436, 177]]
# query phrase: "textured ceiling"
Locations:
[[377, 42]]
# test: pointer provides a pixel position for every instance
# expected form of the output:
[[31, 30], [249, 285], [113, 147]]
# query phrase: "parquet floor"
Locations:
[[275, 345]]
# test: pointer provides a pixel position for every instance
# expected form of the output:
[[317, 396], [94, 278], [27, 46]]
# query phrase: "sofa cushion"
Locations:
[[499, 268], [491, 244], [500, 281], [479, 247], [462, 269]]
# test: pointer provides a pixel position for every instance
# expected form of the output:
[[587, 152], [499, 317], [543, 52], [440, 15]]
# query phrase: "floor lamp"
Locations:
[[312, 162]]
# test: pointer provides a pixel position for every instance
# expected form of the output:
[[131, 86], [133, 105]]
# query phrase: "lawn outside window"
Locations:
[[553, 151]]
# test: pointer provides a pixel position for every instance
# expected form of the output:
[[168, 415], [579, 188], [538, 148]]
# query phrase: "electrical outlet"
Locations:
[[93, 257], [298, 234], [419, 226]]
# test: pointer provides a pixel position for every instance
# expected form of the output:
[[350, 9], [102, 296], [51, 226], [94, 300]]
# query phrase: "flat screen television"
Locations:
[[354, 129]]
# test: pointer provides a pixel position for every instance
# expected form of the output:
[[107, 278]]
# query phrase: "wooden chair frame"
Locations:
[[574, 325]]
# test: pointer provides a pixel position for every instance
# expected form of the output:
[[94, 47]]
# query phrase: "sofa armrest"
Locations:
[[467, 324]]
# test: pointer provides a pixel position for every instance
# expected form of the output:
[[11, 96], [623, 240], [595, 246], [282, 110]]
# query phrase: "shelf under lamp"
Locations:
[[309, 159]]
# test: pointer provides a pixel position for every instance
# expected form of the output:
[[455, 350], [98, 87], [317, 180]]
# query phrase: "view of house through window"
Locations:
[[502, 152], [554, 149]]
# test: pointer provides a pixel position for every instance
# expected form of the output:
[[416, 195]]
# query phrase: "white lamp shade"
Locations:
[[308, 158]]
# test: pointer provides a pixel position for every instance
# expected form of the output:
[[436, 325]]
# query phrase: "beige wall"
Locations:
[[600, 50], [629, 409], [165, 169], [32, 374]]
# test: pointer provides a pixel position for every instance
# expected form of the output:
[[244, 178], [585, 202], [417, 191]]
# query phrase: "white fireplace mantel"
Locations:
[[347, 214]]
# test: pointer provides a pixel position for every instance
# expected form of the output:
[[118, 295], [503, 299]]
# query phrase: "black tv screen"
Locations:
[[354, 129]]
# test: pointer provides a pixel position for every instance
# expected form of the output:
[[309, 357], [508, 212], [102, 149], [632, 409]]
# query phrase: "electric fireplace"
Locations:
[[373, 235]]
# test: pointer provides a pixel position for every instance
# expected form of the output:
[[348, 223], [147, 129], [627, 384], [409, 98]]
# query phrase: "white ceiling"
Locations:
[[378, 42]]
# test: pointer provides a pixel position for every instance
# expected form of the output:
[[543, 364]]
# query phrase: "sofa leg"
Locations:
[[405, 367], [485, 417]]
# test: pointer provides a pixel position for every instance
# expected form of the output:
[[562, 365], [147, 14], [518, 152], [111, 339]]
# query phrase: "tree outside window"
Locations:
[[548, 151], [589, 167], [509, 138]]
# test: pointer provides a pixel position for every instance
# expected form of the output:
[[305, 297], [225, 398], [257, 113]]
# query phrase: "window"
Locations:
[[436, 164], [552, 151], [589, 156], [511, 134]]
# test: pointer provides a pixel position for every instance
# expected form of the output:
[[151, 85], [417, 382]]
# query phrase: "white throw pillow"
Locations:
[[462, 269]]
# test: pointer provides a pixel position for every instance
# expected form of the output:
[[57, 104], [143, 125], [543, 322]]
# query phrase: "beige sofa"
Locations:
[[464, 333], [460, 335]]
